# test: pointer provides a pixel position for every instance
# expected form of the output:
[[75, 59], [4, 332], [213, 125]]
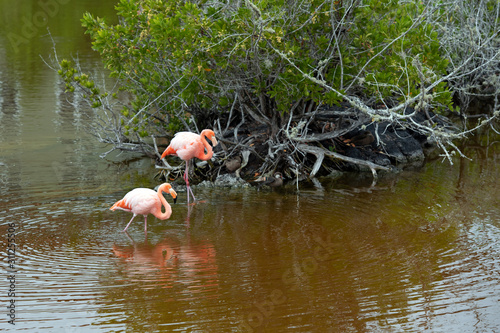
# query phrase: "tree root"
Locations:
[[320, 155]]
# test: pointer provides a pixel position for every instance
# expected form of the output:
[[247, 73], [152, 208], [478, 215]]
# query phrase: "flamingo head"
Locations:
[[209, 134], [167, 188]]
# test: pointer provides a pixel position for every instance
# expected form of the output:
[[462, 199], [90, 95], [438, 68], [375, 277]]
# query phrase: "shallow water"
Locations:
[[419, 251], [409, 254]]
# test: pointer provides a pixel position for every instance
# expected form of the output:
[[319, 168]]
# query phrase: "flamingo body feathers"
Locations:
[[144, 201], [187, 145], [140, 201]]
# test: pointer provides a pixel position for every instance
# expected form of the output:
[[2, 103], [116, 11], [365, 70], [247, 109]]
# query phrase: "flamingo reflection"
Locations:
[[170, 261]]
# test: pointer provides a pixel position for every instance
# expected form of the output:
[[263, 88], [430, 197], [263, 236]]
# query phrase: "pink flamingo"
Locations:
[[187, 145], [144, 201]]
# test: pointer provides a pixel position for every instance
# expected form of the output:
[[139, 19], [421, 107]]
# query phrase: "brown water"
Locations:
[[420, 251]]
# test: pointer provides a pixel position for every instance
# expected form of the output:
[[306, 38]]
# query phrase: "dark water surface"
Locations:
[[419, 251]]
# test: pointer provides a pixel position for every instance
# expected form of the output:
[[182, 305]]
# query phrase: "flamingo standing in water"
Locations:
[[187, 145], [144, 201]]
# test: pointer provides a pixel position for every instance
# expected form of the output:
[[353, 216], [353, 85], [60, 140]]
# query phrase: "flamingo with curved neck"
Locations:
[[144, 201], [187, 145]]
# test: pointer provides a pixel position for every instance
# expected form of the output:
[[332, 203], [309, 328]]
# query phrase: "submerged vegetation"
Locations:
[[288, 83]]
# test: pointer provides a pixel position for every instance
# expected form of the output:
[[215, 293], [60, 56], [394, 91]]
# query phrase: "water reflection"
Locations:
[[168, 279], [409, 254], [168, 261], [399, 260]]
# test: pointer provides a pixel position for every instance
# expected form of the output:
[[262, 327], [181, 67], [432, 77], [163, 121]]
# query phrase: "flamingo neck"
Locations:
[[201, 154], [168, 209]]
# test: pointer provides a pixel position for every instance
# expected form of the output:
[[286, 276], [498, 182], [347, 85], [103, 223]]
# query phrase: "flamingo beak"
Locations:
[[164, 154], [214, 141], [173, 194]]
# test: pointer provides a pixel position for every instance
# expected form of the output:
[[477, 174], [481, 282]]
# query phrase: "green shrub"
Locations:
[[180, 58], [408, 50]]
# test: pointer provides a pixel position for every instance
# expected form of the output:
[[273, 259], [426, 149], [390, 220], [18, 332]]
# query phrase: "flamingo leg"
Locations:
[[192, 194], [186, 179], [129, 223], [145, 223]]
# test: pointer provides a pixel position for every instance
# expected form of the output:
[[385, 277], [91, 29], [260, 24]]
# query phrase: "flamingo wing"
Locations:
[[185, 145], [141, 201], [121, 204]]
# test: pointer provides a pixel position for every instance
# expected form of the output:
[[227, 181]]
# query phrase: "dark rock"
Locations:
[[391, 146], [225, 180]]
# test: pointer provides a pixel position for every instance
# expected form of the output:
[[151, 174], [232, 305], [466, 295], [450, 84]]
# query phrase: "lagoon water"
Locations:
[[418, 251]]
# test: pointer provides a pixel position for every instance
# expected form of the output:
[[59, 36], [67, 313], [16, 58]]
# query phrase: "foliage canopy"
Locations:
[[184, 64], [203, 56]]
